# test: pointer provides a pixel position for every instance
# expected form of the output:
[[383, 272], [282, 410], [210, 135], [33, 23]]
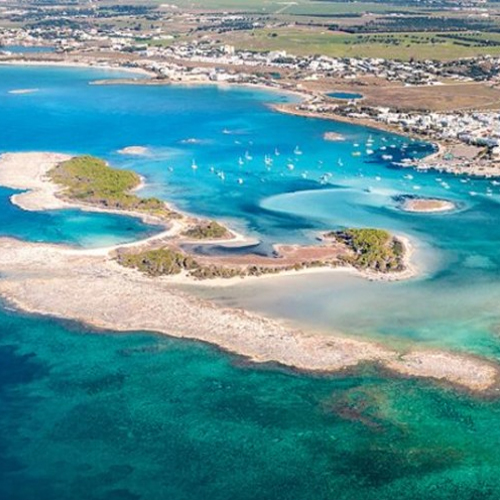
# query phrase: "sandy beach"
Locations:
[[89, 286], [23, 91], [134, 151], [427, 205]]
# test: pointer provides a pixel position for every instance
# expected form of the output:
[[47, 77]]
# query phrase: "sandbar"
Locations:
[[134, 151], [333, 136], [427, 205], [23, 91]]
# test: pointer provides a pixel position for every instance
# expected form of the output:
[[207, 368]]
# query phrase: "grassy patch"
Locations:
[[374, 249], [211, 230], [404, 46], [301, 7], [90, 180], [159, 262], [167, 262]]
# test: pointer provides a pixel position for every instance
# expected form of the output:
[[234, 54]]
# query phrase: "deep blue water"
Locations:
[[96, 415]]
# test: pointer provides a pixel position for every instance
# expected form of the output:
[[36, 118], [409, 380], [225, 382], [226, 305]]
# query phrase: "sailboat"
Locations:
[[194, 166]]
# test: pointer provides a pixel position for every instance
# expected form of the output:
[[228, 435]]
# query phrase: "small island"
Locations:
[[374, 253], [89, 180], [426, 205]]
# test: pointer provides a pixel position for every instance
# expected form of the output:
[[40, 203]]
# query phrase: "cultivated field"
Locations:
[[310, 41]]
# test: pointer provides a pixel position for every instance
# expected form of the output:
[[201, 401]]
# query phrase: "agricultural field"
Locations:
[[297, 7], [405, 46], [396, 30], [441, 98]]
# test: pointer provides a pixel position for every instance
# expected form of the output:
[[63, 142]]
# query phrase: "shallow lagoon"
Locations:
[[104, 416], [71, 227], [22, 49], [345, 95]]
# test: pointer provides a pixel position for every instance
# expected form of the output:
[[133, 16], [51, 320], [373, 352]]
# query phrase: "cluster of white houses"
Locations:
[[159, 45], [477, 128]]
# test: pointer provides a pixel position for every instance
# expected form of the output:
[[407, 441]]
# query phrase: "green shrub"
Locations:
[[207, 231], [372, 248], [162, 261], [90, 180]]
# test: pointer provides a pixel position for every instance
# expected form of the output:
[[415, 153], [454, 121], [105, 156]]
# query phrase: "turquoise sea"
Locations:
[[100, 415]]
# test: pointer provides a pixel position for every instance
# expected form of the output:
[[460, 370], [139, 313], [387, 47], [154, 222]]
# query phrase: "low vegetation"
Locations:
[[91, 180], [373, 249], [210, 230], [158, 262], [168, 261], [367, 249], [414, 45]]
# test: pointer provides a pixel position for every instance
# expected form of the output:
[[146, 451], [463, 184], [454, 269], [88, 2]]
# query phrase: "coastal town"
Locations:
[[396, 95]]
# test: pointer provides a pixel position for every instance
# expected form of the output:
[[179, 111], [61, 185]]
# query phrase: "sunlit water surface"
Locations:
[[105, 416]]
